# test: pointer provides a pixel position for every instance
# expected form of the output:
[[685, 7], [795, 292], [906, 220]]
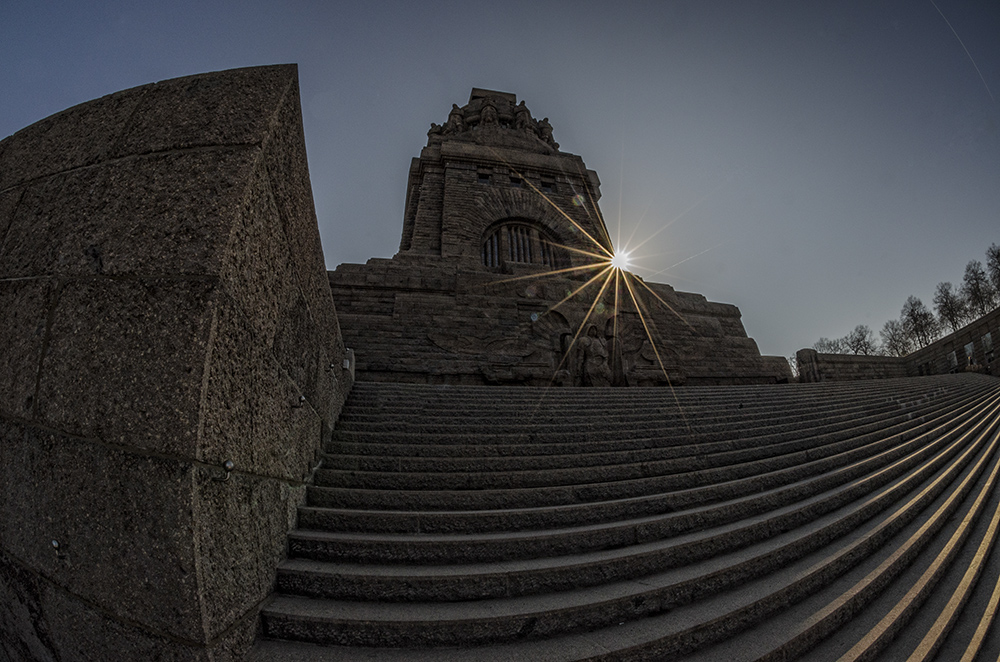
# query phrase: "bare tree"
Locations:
[[861, 341], [895, 340], [993, 265], [977, 290], [827, 346], [919, 323], [950, 306]]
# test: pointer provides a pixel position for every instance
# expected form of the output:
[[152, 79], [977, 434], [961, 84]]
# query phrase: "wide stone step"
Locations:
[[885, 592], [585, 442], [447, 396], [445, 537], [742, 477], [483, 622], [576, 402], [704, 418], [810, 523], [661, 475], [625, 415], [667, 546], [578, 450], [632, 456]]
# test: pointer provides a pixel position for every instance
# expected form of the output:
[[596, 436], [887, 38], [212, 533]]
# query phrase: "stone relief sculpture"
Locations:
[[592, 359], [496, 120], [488, 115], [522, 118], [545, 132], [456, 121]]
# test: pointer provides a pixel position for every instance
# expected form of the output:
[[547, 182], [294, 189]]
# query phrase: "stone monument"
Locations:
[[501, 276]]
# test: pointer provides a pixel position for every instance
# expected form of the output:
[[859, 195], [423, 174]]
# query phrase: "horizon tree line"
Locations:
[[917, 326]]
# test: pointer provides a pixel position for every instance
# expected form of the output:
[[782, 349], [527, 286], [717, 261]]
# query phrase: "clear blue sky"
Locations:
[[838, 156]]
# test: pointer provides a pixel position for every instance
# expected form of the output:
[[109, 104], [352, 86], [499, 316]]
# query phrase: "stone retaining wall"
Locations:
[[166, 310], [971, 348], [816, 367]]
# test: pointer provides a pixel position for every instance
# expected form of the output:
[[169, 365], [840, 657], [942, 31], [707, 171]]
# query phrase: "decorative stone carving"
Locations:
[[522, 119], [488, 115], [493, 118], [456, 121], [545, 132], [592, 361]]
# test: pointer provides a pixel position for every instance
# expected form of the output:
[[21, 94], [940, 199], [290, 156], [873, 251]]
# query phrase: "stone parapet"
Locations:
[[969, 349], [816, 367]]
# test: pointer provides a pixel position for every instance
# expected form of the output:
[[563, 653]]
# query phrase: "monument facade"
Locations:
[[503, 276]]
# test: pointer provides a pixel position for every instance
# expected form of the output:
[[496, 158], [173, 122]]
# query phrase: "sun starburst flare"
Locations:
[[606, 266], [620, 260]]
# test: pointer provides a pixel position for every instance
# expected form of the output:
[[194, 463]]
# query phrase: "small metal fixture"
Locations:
[[228, 467], [55, 547], [300, 402]]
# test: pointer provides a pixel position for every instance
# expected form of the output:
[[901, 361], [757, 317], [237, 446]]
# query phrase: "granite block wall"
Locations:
[[165, 310]]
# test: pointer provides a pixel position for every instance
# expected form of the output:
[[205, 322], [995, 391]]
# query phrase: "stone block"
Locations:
[[79, 136], [25, 304], [160, 214], [123, 522], [24, 632], [41, 622], [260, 279], [125, 362], [8, 203], [288, 171], [295, 346], [252, 414], [231, 108], [173, 270], [241, 528]]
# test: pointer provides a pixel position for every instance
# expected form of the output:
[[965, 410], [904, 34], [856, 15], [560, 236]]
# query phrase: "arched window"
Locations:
[[522, 243]]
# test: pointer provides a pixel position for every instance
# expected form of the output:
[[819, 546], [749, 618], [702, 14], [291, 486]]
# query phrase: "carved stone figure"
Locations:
[[545, 132], [522, 118], [456, 122], [593, 359], [435, 130], [488, 115]]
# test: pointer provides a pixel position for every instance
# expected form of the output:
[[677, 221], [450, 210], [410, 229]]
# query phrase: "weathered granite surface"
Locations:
[[166, 310], [490, 282]]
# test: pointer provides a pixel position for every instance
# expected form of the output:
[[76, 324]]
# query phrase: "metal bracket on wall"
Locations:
[[228, 467]]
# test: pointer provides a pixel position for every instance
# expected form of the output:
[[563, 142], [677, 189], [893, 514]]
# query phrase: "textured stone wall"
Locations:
[[165, 309], [982, 334], [815, 367], [441, 321], [945, 355]]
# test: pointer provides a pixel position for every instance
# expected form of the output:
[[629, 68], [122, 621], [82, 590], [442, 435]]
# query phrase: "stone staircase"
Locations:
[[833, 521]]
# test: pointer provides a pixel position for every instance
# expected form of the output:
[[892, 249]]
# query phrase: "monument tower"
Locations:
[[501, 233]]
